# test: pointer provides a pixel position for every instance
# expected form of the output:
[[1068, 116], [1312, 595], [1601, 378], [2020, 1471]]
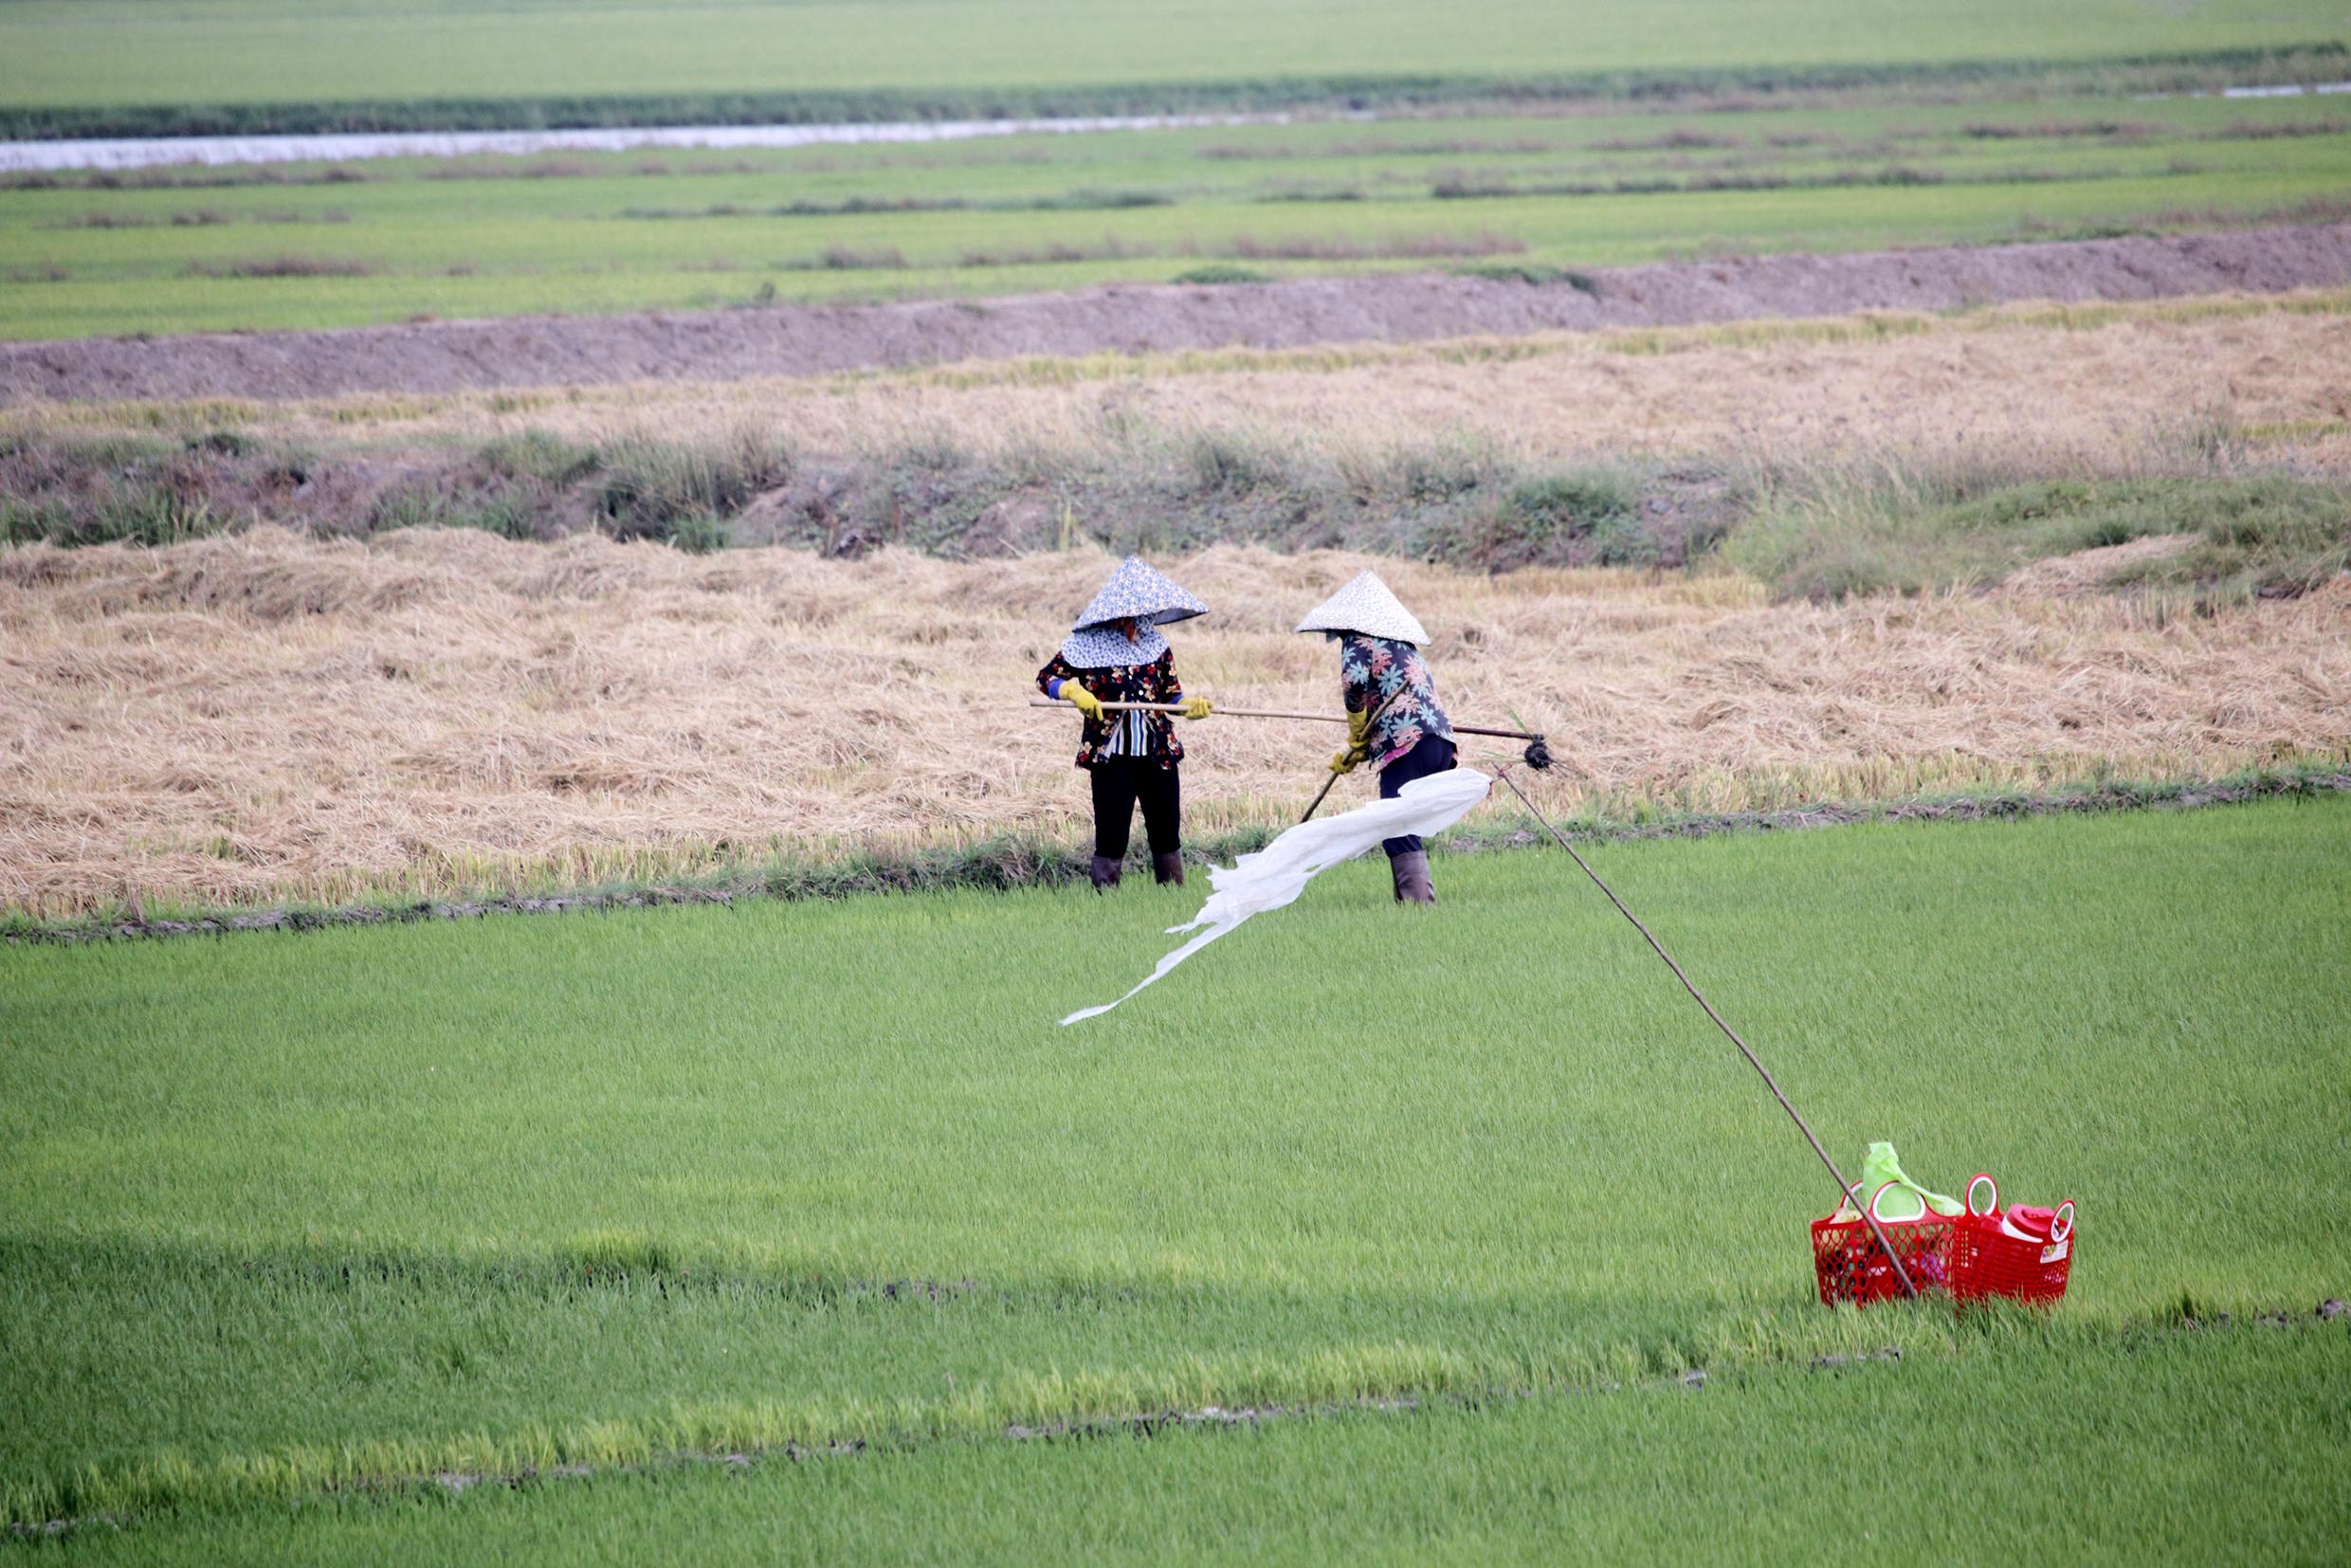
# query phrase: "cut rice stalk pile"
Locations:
[[261, 717]]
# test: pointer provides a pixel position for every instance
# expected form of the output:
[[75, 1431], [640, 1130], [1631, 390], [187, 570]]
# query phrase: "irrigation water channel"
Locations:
[[150, 152]]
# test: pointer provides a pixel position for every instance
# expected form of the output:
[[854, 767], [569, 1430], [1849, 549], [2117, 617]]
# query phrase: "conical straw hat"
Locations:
[[1135, 590], [1365, 605]]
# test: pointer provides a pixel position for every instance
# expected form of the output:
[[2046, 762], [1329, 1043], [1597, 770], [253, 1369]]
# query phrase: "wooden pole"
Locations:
[[1270, 713], [1315, 804], [1847, 1190]]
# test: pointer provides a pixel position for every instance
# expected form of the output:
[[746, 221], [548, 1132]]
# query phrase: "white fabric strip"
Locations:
[[1278, 873]]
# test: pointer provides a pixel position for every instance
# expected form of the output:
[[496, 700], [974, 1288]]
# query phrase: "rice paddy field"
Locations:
[[1507, 1256], [117, 53], [349, 1214], [200, 248]]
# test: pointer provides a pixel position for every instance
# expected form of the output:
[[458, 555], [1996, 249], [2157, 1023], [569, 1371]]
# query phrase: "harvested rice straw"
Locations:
[[253, 717]]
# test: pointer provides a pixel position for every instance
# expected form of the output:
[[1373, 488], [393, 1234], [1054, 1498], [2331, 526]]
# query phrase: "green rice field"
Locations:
[[298, 1222], [187, 248], [2011, 1452], [127, 52]]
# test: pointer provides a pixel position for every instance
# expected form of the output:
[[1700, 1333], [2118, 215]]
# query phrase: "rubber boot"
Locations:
[[1169, 868], [1106, 871], [1411, 878]]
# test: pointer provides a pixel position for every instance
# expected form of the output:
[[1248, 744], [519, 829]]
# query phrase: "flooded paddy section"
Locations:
[[156, 152]]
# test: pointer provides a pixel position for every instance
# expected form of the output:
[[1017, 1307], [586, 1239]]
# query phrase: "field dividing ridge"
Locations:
[[787, 340]]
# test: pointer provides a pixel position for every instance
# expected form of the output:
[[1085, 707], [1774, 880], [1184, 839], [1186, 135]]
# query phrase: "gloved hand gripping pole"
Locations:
[[1536, 755]]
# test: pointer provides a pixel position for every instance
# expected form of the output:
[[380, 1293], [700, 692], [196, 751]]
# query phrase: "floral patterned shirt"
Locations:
[[1147, 735], [1389, 679]]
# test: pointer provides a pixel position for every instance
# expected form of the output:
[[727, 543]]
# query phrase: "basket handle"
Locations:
[[2061, 1226], [1878, 1197], [1983, 1178]]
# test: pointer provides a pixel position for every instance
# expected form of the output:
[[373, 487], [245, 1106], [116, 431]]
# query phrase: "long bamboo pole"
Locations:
[[1315, 804], [1847, 1190], [1269, 713]]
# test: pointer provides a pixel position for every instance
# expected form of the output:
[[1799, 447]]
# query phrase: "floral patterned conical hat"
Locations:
[[1134, 592], [1365, 605]]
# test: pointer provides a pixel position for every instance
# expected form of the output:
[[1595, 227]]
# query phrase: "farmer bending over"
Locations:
[[1116, 654], [1393, 714]]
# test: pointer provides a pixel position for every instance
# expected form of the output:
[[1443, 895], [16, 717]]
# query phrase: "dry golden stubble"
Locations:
[[266, 716]]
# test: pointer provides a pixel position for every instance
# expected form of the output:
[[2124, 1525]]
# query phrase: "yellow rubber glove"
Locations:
[[1359, 724], [1082, 700], [1195, 707]]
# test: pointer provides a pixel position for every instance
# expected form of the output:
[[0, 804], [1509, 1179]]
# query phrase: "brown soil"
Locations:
[[806, 340]]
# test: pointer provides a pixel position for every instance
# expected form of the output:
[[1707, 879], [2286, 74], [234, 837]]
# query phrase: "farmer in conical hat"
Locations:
[[1116, 654], [1394, 718]]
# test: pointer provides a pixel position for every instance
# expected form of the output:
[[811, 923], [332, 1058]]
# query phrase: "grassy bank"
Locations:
[[1914, 528], [522, 1193]]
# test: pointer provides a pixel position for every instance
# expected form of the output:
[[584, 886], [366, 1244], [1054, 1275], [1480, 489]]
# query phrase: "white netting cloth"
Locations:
[[1278, 873]]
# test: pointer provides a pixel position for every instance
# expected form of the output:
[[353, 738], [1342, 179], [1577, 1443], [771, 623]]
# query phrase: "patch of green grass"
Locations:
[[1222, 273], [699, 533], [2258, 540], [540, 455], [150, 514], [1598, 509], [1530, 272], [223, 443], [425, 506], [589, 1189], [2224, 1444], [661, 489], [1234, 461], [1912, 532]]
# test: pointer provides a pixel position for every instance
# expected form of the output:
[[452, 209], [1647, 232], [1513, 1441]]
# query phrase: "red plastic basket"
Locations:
[[1987, 1259], [1851, 1266]]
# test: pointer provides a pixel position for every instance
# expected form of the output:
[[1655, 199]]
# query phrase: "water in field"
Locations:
[[145, 152], [148, 151], [2289, 90]]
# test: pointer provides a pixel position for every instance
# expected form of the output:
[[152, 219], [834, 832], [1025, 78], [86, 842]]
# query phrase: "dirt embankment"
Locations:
[[720, 345]]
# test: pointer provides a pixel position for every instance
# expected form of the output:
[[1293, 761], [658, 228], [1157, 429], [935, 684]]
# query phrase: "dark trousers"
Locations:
[[1433, 754], [1120, 782]]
